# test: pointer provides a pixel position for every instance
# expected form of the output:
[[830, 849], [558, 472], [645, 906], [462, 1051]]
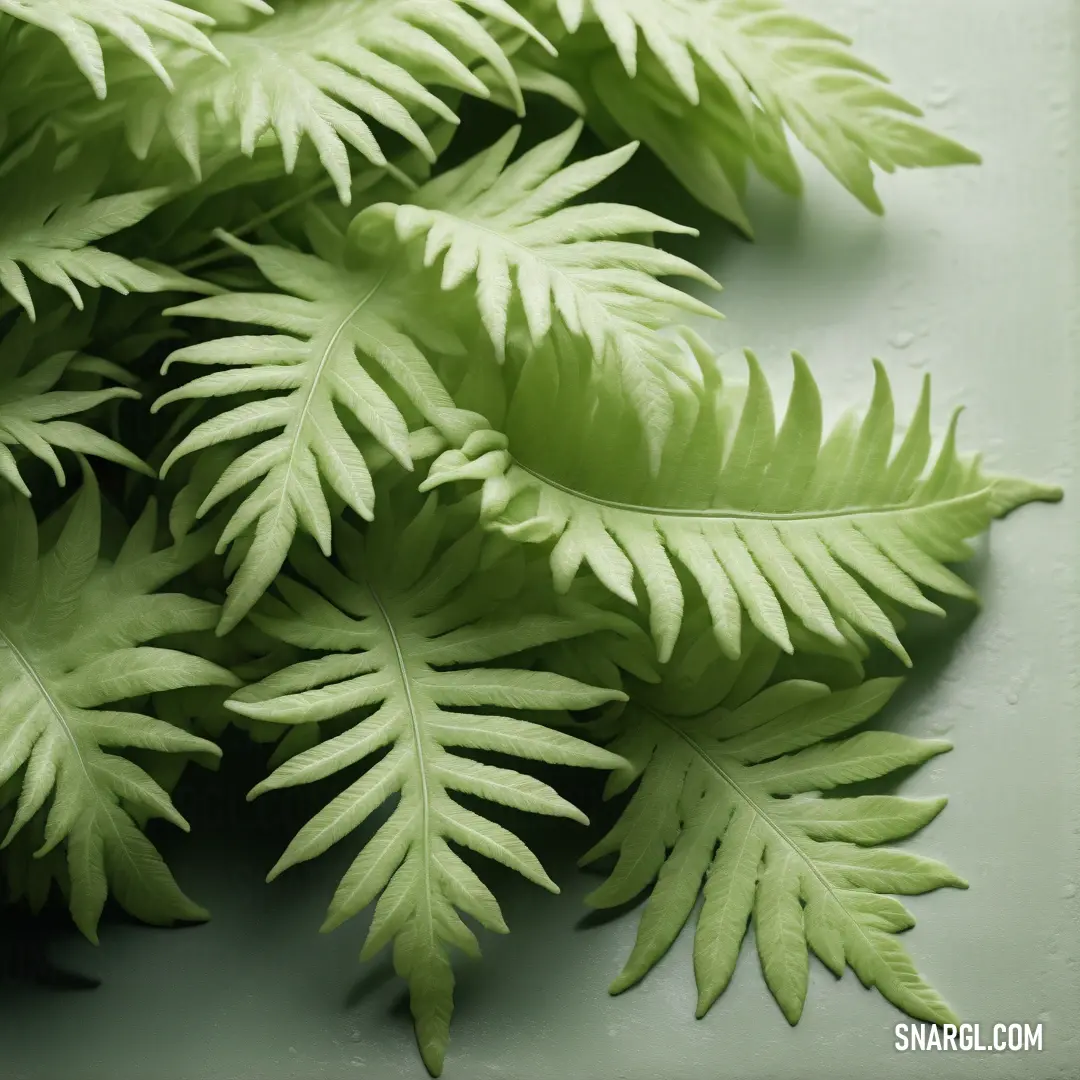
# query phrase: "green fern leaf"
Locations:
[[746, 68], [72, 632], [533, 66], [780, 524], [336, 324], [51, 219], [33, 415], [323, 69], [509, 228], [133, 23], [29, 879], [727, 804], [400, 643]]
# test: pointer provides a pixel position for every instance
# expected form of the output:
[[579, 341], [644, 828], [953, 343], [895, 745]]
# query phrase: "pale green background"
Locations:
[[972, 276]]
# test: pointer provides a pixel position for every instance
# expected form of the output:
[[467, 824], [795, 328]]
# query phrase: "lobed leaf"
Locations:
[[400, 636], [789, 525], [33, 412], [49, 224], [341, 330], [133, 23], [326, 70], [712, 84], [509, 228], [73, 633], [727, 806]]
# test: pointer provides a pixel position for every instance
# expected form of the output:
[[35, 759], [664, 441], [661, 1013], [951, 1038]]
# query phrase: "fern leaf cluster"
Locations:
[[133, 23], [713, 86], [450, 480]]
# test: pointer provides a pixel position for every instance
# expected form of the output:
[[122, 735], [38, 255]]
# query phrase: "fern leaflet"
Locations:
[[333, 321], [72, 632], [510, 225], [400, 648], [51, 219], [317, 68], [751, 66], [780, 524], [33, 415], [728, 796], [134, 23]]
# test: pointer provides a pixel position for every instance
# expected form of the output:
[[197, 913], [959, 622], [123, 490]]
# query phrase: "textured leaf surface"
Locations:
[[33, 414], [344, 335], [133, 23], [401, 639], [728, 804], [783, 524], [616, 517], [710, 83], [324, 70], [536, 259], [51, 220], [73, 634]]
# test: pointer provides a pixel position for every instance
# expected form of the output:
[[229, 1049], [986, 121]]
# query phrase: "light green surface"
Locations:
[[972, 276]]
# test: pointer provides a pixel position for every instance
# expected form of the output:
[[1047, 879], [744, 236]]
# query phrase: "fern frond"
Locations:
[[325, 69], [727, 804], [345, 333], [34, 415], [51, 220], [402, 637], [781, 524], [132, 23], [509, 228], [73, 628], [752, 67]]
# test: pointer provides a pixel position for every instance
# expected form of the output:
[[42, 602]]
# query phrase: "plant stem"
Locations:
[[250, 226]]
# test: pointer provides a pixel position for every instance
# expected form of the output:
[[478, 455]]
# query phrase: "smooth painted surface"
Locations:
[[971, 276]]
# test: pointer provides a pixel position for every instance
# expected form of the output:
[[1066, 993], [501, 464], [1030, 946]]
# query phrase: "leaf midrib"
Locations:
[[414, 723], [714, 513], [31, 673], [759, 811], [300, 422]]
